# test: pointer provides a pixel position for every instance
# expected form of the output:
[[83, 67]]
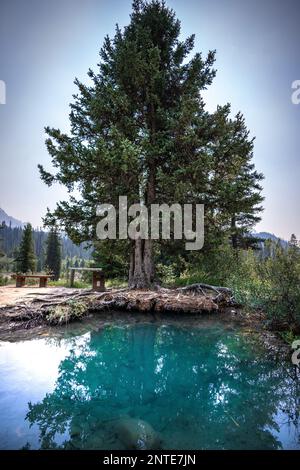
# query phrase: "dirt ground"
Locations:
[[11, 295]]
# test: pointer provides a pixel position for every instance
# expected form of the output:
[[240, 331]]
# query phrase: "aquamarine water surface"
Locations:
[[208, 387]]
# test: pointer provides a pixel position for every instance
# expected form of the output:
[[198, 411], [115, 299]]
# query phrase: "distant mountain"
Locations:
[[4, 217], [271, 236]]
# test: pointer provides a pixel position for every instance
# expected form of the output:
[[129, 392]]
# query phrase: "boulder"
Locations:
[[137, 434]]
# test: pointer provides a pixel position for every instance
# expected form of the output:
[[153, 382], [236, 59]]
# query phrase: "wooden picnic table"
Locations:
[[98, 277], [21, 279]]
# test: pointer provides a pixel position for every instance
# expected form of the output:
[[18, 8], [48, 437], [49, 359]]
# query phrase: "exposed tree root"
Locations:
[[223, 294]]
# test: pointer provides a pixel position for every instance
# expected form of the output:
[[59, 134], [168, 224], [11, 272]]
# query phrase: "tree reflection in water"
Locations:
[[200, 389]]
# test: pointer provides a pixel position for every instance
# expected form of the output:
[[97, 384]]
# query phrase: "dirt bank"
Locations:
[[30, 312], [26, 308]]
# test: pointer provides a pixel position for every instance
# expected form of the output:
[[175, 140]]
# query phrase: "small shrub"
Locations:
[[61, 314], [3, 280], [282, 278], [166, 272], [288, 337]]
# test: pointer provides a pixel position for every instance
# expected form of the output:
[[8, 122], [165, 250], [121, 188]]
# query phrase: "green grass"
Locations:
[[66, 283], [79, 284], [116, 283], [288, 337]]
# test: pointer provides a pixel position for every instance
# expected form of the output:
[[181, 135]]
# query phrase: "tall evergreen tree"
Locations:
[[25, 258], [235, 190], [293, 242], [53, 254], [140, 130]]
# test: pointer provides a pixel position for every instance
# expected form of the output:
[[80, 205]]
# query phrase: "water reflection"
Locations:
[[199, 389]]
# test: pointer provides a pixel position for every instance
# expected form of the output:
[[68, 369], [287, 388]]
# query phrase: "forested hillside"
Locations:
[[11, 238]]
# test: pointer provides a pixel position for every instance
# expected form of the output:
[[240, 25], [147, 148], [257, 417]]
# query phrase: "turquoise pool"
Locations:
[[208, 387]]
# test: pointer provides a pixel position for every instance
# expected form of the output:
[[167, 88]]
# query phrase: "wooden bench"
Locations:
[[21, 279], [98, 277]]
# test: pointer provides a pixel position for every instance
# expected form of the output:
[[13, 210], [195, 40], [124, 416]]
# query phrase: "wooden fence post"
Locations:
[[72, 276]]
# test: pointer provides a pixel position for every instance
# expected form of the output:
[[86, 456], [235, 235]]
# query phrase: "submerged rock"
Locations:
[[75, 430], [137, 434], [95, 442]]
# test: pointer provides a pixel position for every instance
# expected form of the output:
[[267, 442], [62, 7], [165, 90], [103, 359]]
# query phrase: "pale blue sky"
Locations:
[[45, 44]]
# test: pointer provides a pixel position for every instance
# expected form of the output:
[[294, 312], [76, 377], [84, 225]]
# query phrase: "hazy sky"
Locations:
[[45, 44]]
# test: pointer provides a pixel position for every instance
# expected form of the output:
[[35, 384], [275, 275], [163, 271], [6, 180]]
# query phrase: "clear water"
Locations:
[[199, 388]]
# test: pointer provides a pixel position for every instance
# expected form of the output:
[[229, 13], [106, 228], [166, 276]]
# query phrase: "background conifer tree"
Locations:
[[53, 254], [25, 257]]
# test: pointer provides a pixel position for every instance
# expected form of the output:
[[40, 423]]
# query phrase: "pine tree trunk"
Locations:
[[131, 266], [141, 272], [234, 239], [138, 272], [148, 261]]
